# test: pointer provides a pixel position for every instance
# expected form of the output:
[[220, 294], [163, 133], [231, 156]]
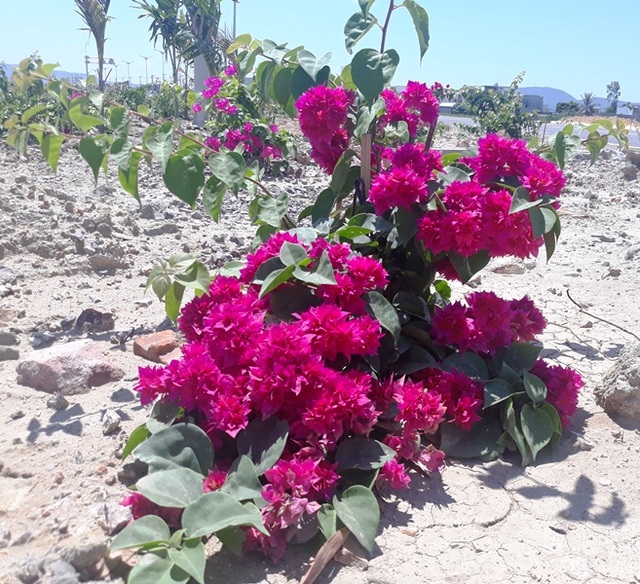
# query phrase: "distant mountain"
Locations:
[[550, 96]]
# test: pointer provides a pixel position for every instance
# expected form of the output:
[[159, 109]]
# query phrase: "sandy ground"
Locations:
[[570, 518]]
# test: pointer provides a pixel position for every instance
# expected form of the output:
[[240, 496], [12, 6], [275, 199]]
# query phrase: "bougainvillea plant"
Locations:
[[333, 360], [235, 120]]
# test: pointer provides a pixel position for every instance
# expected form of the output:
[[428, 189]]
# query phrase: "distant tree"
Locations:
[[94, 15], [568, 108], [589, 107], [613, 95]]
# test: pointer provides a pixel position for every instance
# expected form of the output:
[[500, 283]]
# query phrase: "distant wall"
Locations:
[[532, 103]]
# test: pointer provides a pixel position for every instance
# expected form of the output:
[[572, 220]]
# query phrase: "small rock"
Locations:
[[154, 345], [7, 276], [7, 338], [104, 229], [95, 321], [114, 517], [605, 482], [110, 422], [31, 572], [69, 369], [62, 573], [26, 537], [17, 415], [5, 537], [104, 262], [558, 527], [8, 353], [85, 555], [508, 268], [619, 391], [58, 402], [583, 444], [147, 212], [176, 354], [163, 229], [42, 339]]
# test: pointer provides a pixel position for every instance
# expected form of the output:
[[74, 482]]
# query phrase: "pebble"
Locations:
[[558, 527], [58, 402], [16, 415], [63, 573], [9, 353], [110, 422], [7, 338], [605, 482]]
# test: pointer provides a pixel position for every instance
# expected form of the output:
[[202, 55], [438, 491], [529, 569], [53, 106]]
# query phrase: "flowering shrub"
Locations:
[[334, 361], [235, 122]]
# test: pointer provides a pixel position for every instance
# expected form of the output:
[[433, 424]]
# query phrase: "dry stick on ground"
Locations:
[[613, 324], [325, 555]]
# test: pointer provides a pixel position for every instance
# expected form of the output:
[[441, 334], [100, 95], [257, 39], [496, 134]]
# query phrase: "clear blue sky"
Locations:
[[574, 45]]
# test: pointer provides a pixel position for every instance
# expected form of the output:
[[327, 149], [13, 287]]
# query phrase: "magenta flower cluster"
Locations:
[[415, 105]]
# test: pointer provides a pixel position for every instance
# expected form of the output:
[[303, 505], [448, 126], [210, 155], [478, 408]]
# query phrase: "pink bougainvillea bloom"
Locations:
[[418, 97], [563, 387], [267, 250], [413, 156], [327, 153], [215, 479], [231, 70], [323, 111], [453, 325], [398, 187], [196, 107], [213, 142], [141, 506], [273, 128], [395, 475], [419, 409], [431, 458]]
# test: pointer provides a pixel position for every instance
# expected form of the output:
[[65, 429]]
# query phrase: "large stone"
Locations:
[[153, 346], [619, 391], [68, 369]]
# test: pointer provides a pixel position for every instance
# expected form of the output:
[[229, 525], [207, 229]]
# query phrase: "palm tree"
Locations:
[[94, 15], [589, 107], [203, 18], [169, 23]]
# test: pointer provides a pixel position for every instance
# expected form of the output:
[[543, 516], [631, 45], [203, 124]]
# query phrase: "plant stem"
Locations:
[[385, 26]]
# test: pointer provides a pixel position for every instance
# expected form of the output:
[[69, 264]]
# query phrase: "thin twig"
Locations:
[[613, 324], [386, 26]]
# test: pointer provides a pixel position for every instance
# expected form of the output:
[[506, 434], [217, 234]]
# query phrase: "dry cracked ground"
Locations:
[[67, 246]]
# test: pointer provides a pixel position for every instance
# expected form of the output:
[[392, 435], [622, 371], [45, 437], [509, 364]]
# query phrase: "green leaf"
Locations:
[[373, 71], [341, 170], [138, 436], [512, 426], [179, 446], [522, 356], [328, 520], [32, 111], [496, 391], [357, 26], [366, 115], [282, 90], [275, 278], [382, 310], [543, 220], [51, 145], [215, 511], [156, 569], [480, 440], [177, 487], [291, 254], [121, 151], [196, 277], [173, 300], [94, 153], [184, 175], [365, 5], [82, 121], [269, 210], [128, 177], [469, 267], [213, 197], [119, 118], [263, 441], [230, 168], [322, 274], [361, 453], [535, 387], [537, 428], [522, 200], [358, 509], [242, 481], [146, 530], [469, 363], [232, 538], [192, 558], [323, 205], [159, 141], [420, 22], [162, 416], [316, 69]]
